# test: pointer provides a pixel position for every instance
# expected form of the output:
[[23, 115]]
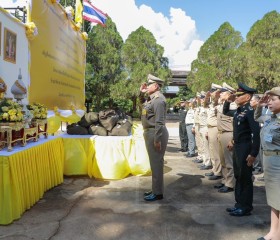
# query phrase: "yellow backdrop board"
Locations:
[[57, 69]]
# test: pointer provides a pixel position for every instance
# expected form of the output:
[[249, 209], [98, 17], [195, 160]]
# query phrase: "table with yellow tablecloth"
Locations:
[[26, 173], [109, 157]]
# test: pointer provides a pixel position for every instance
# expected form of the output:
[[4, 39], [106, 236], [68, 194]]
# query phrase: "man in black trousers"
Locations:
[[245, 145]]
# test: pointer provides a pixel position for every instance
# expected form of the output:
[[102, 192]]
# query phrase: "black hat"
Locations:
[[242, 89]]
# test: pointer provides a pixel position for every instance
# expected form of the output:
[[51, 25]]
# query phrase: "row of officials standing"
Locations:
[[222, 115], [227, 140]]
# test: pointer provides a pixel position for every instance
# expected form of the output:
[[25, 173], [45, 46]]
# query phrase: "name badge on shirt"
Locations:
[[268, 138]]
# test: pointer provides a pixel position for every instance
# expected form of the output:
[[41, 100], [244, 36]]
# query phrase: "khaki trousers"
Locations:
[[226, 158], [214, 150], [205, 146], [198, 141], [156, 158]]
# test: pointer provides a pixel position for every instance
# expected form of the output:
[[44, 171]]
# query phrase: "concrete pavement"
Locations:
[[84, 208]]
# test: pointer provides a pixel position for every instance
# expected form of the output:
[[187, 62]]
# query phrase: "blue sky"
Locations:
[[210, 14], [181, 26]]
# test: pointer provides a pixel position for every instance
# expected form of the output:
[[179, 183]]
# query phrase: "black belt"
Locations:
[[221, 131]]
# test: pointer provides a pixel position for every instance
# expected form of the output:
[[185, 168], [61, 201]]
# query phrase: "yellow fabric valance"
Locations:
[[25, 176]]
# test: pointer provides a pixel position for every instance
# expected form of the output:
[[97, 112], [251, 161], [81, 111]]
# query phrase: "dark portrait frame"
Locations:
[[10, 46]]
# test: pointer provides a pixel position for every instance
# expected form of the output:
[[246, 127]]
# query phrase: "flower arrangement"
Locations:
[[10, 111], [31, 30], [39, 111], [85, 36]]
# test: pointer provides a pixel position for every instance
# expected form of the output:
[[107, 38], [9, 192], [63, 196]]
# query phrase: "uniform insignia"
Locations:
[[144, 112]]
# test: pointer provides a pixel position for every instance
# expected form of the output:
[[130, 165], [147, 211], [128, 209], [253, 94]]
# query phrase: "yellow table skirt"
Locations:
[[26, 174], [107, 157]]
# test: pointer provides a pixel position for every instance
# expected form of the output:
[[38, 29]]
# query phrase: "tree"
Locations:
[[263, 50], [104, 63], [216, 61], [184, 93], [141, 55]]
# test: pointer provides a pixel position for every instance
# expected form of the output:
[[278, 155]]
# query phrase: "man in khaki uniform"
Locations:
[[203, 129], [225, 129], [155, 133], [198, 141], [216, 172]]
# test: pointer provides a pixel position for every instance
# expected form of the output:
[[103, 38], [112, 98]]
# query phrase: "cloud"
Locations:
[[13, 3], [176, 32]]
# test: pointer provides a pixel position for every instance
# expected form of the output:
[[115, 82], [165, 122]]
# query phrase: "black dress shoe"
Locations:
[[231, 209], [219, 185], [148, 193], [261, 238], [182, 150], [214, 177], [153, 197], [240, 213], [197, 161], [190, 155], [225, 189], [206, 167], [209, 174]]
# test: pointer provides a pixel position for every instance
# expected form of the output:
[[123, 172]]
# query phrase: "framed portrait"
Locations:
[[10, 46]]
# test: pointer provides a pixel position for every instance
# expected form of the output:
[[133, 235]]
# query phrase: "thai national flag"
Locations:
[[93, 14]]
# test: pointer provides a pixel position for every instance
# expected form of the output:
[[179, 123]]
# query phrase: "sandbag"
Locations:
[[75, 129], [97, 129], [108, 118], [122, 128], [88, 119]]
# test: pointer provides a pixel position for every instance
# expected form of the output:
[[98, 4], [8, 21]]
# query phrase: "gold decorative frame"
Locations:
[[10, 46]]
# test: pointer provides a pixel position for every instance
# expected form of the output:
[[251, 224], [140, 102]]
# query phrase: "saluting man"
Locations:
[[195, 129], [213, 96], [225, 129], [155, 134], [245, 144], [203, 129]]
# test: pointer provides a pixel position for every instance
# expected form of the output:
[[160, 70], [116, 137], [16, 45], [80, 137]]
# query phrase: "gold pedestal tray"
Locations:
[[6, 137], [30, 133], [42, 126], [11, 133]]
